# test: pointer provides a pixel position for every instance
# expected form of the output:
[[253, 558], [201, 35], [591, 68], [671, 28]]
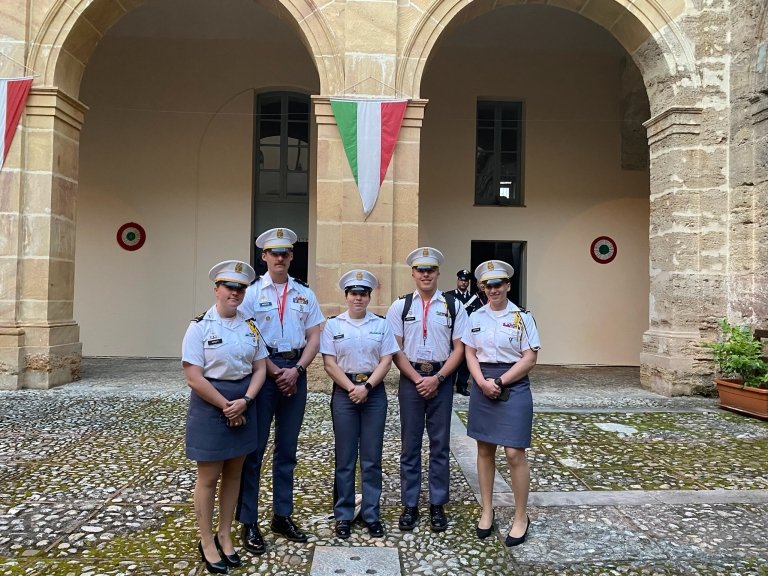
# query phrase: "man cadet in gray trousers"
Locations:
[[428, 325]]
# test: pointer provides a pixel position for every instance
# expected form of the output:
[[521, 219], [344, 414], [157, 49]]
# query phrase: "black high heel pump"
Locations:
[[230, 559], [219, 567], [483, 533]]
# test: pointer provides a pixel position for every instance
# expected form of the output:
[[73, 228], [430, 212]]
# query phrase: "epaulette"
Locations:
[[404, 296], [198, 318], [300, 281], [256, 279], [523, 310], [330, 317], [380, 316]]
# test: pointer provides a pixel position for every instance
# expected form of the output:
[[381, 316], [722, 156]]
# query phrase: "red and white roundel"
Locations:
[[131, 236], [603, 250]]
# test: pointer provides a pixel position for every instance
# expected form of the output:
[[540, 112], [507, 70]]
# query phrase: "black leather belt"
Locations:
[[359, 378], [288, 354], [427, 367]]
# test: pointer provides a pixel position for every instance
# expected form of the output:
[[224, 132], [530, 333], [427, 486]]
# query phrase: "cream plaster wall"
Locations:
[[167, 143], [566, 71]]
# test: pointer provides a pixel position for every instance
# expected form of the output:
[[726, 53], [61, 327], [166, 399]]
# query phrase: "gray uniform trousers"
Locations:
[[415, 411], [288, 414], [358, 426]]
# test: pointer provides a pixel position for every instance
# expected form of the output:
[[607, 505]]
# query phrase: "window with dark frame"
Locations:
[[498, 160], [282, 147]]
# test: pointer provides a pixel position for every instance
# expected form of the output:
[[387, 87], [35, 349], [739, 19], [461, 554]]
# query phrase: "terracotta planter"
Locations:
[[746, 400]]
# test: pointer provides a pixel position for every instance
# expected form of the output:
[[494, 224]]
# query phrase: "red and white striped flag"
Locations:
[[13, 96], [369, 130]]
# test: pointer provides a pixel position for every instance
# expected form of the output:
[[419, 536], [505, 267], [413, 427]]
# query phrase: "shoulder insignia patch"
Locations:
[[300, 281], [198, 318], [330, 317]]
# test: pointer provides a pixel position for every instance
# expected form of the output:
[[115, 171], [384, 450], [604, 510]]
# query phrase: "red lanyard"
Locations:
[[281, 303], [424, 312]]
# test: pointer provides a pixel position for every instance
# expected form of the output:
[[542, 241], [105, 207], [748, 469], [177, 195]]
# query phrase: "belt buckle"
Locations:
[[360, 378], [426, 367], [288, 355]]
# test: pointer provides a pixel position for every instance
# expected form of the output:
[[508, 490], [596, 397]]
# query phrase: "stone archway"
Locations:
[[689, 191]]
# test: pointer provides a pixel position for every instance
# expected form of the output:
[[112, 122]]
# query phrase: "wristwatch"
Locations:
[[300, 369], [248, 400], [440, 378], [498, 382], [368, 386]]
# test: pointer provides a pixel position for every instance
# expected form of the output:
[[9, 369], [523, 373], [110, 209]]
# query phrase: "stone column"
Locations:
[[39, 345], [345, 238], [688, 251]]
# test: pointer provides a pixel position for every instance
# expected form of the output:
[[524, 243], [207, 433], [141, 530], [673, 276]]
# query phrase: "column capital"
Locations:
[[675, 120], [54, 102]]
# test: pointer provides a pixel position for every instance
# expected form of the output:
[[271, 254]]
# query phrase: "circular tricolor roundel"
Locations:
[[131, 236], [603, 250]]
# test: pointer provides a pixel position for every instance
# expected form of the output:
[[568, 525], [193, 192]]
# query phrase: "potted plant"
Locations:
[[739, 357]]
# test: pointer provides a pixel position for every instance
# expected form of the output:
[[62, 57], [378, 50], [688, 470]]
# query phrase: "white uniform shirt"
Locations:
[[358, 347], [501, 338], [225, 348], [262, 301], [438, 325]]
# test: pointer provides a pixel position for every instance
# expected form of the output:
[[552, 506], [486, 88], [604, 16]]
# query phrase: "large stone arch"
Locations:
[[646, 30], [71, 31]]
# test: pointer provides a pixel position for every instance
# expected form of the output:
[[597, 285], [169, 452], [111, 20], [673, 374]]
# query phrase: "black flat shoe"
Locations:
[[219, 567], [409, 518], [230, 559], [343, 528], [375, 529], [253, 541], [284, 526], [510, 541], [437, 519], [483, 533]]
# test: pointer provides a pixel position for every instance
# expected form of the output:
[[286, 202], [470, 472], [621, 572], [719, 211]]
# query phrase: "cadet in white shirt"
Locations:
[[428, 325], [289, 318], [357, 348], [223, 359], [501, 347]]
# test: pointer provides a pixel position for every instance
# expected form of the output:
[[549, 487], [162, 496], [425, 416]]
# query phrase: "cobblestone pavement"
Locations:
[[93, 480]]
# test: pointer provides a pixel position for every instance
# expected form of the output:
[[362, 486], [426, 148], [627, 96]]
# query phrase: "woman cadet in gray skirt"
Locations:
[[501, 346], [223, 358]]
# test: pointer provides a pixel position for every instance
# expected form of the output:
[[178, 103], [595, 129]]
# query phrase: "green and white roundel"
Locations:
[[603, 250], [131, 236]]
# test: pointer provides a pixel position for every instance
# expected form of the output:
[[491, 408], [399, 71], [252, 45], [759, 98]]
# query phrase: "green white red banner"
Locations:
[[13, 96], [369, 131]]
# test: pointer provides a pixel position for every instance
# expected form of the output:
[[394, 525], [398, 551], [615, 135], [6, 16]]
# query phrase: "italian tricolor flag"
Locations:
[[369, 130], [13, 95]]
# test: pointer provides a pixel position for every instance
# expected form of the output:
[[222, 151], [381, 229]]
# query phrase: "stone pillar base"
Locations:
[[673, 364], [39, 356]]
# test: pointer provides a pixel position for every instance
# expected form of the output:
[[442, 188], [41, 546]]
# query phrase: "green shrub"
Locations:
[[738, 354]]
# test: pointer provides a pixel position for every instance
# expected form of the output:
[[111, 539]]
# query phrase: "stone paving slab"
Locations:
[[362, 561], [93, 480]]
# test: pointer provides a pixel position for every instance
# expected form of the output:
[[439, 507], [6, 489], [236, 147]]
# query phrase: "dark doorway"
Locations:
[[299, 264], [510, 252]]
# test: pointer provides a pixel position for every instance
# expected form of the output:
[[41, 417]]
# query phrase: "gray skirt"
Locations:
[[502, 423], [208, 438]]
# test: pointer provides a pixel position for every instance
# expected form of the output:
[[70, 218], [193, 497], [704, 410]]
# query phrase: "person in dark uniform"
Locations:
[[223, 359], [501, 346], [357, 348], [289, 318], [468, 300], [429, 335]]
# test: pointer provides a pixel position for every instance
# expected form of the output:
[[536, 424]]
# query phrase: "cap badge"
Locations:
[[425, 252], [359, 275], [490, 266], [238, 267], [279, 232]]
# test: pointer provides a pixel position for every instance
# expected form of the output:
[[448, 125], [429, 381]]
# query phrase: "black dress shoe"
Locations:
[[219, 567], [375, 529], [437, 518], [343, 528], [230, 559], [483, 533], [516, 541], [253, 541], [409, 518], [284, 526]]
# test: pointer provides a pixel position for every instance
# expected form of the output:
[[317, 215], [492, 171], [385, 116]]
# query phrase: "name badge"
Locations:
[[476, 329], [215, 341], [265, 304], [338, 336], [410, 318]]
